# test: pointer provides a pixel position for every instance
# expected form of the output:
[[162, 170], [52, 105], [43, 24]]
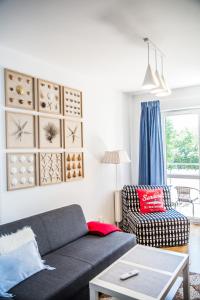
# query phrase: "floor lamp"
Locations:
[[116, 158]]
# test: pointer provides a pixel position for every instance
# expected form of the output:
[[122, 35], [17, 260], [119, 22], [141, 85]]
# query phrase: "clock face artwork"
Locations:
[[20, 130], [73, 134]]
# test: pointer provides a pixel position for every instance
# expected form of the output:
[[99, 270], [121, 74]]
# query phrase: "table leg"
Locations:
[[94, 295], [186, 285]]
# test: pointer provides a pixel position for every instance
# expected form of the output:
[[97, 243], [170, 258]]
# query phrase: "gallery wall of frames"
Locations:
[[44, 132]]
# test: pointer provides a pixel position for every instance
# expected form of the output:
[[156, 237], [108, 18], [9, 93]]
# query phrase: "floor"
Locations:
[[193, 248]]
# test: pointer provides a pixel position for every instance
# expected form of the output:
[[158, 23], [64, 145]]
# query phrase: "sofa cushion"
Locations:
[[53, 228], [18, 265], [101, 229], [70, 275], [36, 225], [99, 251], [64, 225]]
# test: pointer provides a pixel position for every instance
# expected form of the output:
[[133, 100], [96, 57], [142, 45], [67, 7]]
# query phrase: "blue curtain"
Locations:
[[151, 159]]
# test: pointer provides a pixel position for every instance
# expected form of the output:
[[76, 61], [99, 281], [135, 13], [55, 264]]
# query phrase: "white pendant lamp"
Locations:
[[161, 85], [150, 80], [155, 82], [166, 91]]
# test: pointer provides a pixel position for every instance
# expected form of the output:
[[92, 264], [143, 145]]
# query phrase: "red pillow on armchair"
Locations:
[[151, 200], [101, 229]]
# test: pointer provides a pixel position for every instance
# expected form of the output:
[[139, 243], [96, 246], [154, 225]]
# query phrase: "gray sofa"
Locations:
[[64, 243]]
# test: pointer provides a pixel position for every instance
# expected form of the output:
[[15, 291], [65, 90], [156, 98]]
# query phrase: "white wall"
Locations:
[[181, 98], [105, 128]]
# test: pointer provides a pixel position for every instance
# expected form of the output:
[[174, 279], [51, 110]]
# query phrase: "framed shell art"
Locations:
[[74, 169], [50, 168], [19, 90], [44, 144], [73, 134], [49, 132], [49, 97], [21, 170], [20, 130], [72, 102]]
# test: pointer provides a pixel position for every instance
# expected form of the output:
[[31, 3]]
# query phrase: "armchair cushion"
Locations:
[[160, 229]]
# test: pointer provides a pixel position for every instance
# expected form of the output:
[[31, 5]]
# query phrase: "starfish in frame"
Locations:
[[20, 129], [73, 133]]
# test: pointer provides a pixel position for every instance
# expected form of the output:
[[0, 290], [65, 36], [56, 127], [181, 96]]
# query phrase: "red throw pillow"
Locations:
[[151, 200], [101, 229]]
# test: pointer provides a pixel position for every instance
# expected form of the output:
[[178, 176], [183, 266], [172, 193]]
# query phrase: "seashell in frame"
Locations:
[[22, 158], [30, 180], [23, 180], [14, 181], [13, 158], [19, 90], [13, 171], [30, 159], [22, 170]]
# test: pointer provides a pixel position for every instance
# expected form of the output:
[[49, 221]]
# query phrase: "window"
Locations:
[[182, 139]]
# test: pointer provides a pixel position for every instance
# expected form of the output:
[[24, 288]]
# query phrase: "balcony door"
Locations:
[[182, 140]]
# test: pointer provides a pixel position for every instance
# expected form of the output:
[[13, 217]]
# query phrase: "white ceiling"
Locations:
[[103, 38]]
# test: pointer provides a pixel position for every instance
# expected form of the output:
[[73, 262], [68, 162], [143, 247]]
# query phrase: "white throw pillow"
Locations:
[[10, 242]]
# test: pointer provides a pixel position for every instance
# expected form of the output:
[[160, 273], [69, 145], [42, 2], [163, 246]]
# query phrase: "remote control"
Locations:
[[129, 274]]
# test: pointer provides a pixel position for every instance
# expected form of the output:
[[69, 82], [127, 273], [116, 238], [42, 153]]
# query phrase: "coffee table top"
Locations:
[[157, 271]]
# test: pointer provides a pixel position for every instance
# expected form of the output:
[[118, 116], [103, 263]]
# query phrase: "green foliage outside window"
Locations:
[[182, 148]]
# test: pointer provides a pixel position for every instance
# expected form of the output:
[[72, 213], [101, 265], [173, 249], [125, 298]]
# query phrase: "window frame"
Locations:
[[166, 114]]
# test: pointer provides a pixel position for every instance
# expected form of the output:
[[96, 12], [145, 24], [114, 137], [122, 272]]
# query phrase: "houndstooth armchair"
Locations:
[[159, 229]]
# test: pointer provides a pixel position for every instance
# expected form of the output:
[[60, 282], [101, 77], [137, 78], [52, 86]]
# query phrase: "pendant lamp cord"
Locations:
[[162, 64], [156, 59], [148, 52]]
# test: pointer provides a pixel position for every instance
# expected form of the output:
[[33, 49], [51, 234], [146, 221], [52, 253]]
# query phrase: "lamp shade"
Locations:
[[115, 157], [150, 80], [166, 91], [161, 84]]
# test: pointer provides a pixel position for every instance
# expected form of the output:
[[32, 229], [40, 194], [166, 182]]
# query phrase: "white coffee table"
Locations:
[[158, 278]]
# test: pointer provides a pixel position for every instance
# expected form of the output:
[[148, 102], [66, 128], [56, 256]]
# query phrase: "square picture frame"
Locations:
[[20, 130], [72, 103], [49, 132], [50, 168], [73, 166], [19, 90], [73, 134], [21, 171], [49, 97]]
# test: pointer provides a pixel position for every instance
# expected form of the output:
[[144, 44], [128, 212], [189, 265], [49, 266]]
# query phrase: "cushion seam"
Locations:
[[47, 237], [78, 259], [93, 265]]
